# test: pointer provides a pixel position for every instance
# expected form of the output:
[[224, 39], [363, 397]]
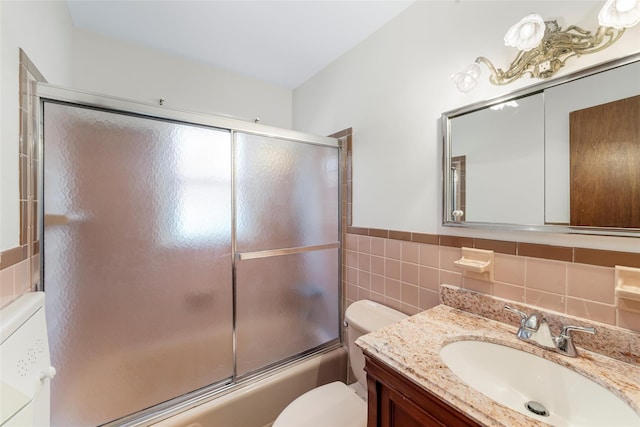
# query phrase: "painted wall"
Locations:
[[72, 57], [393, 87], [109, 66], [43, 30]]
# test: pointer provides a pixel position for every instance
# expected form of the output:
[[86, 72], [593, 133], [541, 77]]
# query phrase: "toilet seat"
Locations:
[[331, 405]]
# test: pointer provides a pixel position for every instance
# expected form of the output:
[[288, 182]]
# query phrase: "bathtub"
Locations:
[[258, 403]]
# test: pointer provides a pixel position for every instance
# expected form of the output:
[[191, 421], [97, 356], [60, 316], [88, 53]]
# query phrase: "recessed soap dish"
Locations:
[[628, 288], [476, 263]]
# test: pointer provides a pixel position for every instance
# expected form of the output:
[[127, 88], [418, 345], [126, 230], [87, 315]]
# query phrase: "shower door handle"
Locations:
[[243, 256]]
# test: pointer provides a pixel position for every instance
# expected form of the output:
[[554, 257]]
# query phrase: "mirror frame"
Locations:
[[447, 180]]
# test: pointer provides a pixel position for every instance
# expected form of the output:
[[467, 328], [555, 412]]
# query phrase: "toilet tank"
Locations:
[[25, 370], [363, 317]]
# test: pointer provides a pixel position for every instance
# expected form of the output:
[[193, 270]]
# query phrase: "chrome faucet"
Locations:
[[534, 328]]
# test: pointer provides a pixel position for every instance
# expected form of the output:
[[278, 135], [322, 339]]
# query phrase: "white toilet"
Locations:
[[336, 404]]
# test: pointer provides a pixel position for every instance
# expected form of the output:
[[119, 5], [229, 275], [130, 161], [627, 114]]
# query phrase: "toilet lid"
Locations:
[[331, 405]]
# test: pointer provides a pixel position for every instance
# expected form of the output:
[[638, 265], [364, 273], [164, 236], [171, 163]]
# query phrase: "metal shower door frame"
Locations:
[[46, 92]]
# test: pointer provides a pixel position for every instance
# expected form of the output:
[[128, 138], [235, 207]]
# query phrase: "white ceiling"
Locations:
[[282, 42]]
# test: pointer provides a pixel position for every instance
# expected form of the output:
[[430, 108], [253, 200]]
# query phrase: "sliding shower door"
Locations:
[[287, 212], [137, 260]]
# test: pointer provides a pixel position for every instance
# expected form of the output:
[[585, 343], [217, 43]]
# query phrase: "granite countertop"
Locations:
[[412, 347]]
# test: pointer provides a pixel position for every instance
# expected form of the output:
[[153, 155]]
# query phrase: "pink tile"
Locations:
[[351, 275], [364, 262], [377, 283], [410, 273], [450, 278], [428, 299], [592, 310], [481, 286], [430, 255], [352, 292], [591, 282], [21, 276], [6, 283], [392, 288], [393, 303], [509, 269], [430, 278], [508, 291], [377, 246], [411, 252], [351, 259], [393, 249], [629, 320], [546, 275], [448, 256], [364, 279], [410, 294], [376, 297], [409, 309], [364, 244], [364, 293], [546, 300], [377, 265], [352, 242], [392, 269]]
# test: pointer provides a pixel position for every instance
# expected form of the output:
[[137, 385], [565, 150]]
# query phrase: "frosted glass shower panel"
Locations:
[[287, 193], [286, 305], [137, 253]]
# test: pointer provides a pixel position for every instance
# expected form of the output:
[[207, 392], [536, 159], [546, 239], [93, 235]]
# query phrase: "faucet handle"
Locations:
[[566, 330], [564, 341], [522, 314]]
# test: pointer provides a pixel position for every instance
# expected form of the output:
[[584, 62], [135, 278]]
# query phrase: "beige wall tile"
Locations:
[[410, 294], [546, 300], [352, 292], [351, 259], [393, 249], [591, 282], [377, 246], [393, 303], [364, 293], [591, 310], [364, 244], [377, 283], [411, 252], [509, 269], [477, 285], [364, 279], [430, 278], [392, 288], [410, 273], [629, 320], [428, 299], [351, 275], [508, 291], [351, 242], [546, 275], [430, 255], [364, 262], [392, 269], [450, 278], [377, 265], [448, 256]]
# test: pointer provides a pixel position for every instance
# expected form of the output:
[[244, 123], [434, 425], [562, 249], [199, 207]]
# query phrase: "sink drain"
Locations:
[[537, 408]]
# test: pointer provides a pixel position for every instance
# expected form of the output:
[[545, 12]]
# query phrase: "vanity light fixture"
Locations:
[[544, 47]]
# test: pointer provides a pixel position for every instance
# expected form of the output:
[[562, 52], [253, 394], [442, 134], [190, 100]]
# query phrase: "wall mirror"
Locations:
[[562, 156]]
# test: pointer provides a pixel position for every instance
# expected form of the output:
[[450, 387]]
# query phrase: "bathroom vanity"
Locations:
[[394, 401], [410, 384]]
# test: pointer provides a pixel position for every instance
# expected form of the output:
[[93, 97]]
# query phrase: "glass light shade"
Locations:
[[527, 33], [467, 78], [620, 14]]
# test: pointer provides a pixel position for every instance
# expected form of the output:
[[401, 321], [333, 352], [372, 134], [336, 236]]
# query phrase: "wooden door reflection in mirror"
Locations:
[[605, 165]]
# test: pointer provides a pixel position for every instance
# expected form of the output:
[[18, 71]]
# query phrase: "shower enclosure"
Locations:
[[182, 253]]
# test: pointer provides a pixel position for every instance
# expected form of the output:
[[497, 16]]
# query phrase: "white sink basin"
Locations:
[[513, 378]]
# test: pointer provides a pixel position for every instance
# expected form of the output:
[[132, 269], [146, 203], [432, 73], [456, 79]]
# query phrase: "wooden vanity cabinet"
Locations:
[[395, 401]]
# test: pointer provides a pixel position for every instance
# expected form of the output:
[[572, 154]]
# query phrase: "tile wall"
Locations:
[[406, 275]]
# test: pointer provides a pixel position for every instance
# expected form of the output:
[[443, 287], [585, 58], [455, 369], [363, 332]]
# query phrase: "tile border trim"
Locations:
[[599, 257]]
